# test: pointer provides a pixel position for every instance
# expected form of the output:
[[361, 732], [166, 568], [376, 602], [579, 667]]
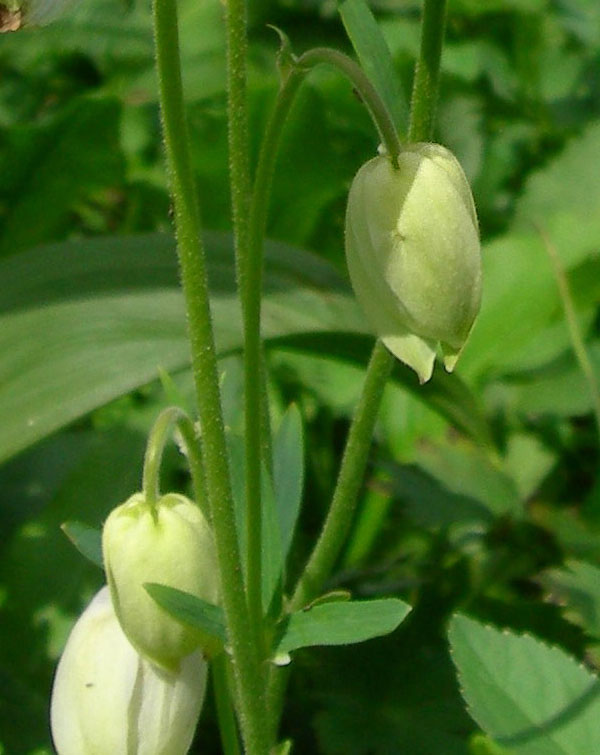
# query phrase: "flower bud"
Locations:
[[108, 700], [170, 543], [412, 247]]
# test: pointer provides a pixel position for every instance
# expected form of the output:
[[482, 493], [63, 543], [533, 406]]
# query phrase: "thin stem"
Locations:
[[575, 334], [355, 455], [239, 171], [268, 152], [191, 443], [159, 434], [252, 282], [225, 715], [155, 446], [204, 366], [352, 469], [379, 113], [427, 72]]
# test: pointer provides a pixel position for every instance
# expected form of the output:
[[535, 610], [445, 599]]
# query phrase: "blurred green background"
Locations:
[[482, 493]]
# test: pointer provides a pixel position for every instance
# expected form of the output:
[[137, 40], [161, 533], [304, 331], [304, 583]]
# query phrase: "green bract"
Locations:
[[108, 700], [171, 544], [412, 247]]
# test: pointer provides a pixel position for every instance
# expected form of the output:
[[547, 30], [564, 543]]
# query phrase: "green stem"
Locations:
[[225, 715], [239, 171], [252, 281], [575, 334], [427, 72], [204, 366], [350, 478], [159, 434], [268, 152], [191, 443], [353, 465]]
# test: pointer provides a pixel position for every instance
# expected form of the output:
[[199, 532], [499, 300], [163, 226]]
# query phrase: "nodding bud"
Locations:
[[169, 543], [413, 254], [108, 700]]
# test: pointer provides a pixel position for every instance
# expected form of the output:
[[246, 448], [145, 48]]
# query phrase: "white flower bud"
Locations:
[[108, 700], [412, 247], [170, 544]]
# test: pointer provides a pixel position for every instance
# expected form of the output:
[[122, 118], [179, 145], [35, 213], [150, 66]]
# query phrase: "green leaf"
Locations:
[[87, 540], [455, 483], [84, 322], [47, 169], [288, 473], [190, 609], [272, 554], [273, 559], [340, 623], [529, 697], [375, 58], [482, 745], [576, 587]]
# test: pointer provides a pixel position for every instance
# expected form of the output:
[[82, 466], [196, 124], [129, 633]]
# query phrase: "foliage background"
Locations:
[[483, 492]]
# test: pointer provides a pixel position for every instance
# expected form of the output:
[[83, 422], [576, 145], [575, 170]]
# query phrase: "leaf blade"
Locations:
[[341, 623], [530, 697]]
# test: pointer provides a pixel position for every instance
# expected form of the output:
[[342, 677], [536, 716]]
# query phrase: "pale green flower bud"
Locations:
[[108, 700], [413, 253], [171, 544]]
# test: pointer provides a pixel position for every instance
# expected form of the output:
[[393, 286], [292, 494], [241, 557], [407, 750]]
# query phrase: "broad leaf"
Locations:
[[84, 322], [340, 623], [529, 697], [87, 540]]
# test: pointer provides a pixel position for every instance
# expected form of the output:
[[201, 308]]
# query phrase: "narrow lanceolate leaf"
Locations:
[[340, 623], [272, 554], [288, 473], [529, 697], [87, 540], [190, 610], [375, 58]]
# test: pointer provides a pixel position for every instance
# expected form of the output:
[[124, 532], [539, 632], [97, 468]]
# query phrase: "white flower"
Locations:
[[108, 700]]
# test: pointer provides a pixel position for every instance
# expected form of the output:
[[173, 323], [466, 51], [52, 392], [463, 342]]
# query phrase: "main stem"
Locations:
[[427, 72], [250, 295], [204, 366]]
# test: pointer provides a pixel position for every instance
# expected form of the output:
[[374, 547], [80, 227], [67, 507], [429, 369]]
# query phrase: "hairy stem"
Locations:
[[166, 421], [239, 172], [345, 497], [225, 715], [427, 72], [204, 366]]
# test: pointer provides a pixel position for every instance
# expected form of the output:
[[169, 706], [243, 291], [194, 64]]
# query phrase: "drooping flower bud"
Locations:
[[171, 544], [412, 248], [108, 700]]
